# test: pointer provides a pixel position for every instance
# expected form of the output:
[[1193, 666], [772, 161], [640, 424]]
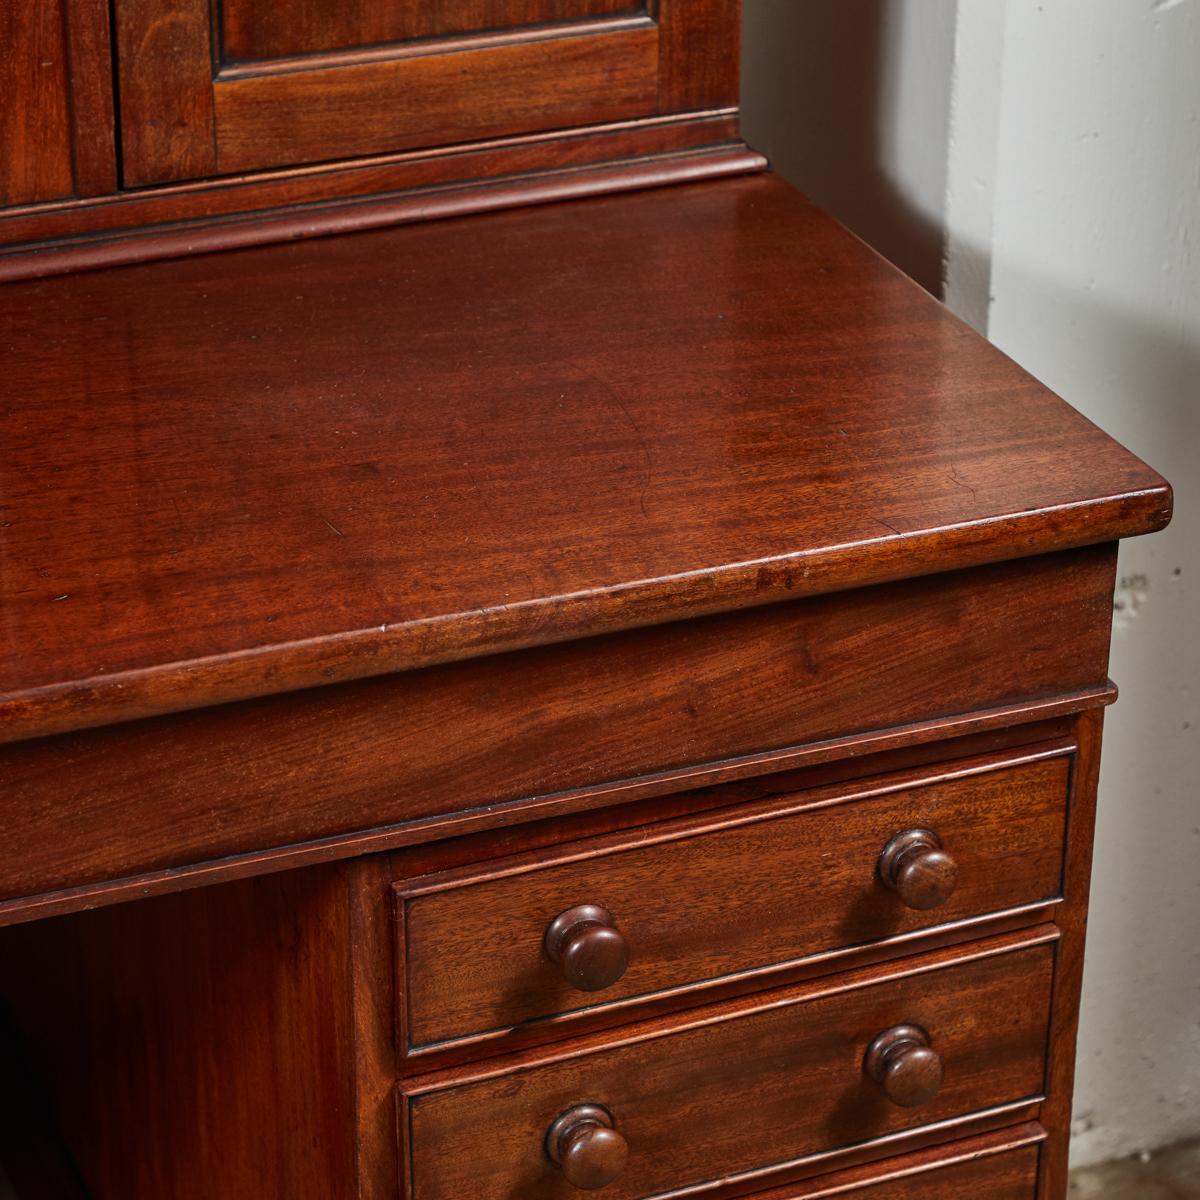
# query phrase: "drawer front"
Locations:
[[698, 903], [1008, 1176], [743, 1091]]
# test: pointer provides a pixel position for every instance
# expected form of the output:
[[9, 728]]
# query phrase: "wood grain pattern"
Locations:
[[759, 887], [35, 120], [164, 75], [345, 92], [1068, 982], [252, 31], [461, 95], [742, 1094], [743, 404], [89, 55], [348, 197], [198, 1045], [520, 730], [546, 820], [696, 792], [1000, 1166]]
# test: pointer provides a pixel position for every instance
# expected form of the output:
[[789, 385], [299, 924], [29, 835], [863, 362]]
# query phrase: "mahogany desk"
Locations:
[[603, 695], [378, 599]]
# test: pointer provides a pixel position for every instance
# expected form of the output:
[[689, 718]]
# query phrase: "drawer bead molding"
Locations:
[[585, 1144], [918, 869], [586, 943], [904, 1063]]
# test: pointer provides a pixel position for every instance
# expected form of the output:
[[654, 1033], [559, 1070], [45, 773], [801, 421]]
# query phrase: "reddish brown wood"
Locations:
[[201, 1044], [751, 1088], [998, 1166], [35, 120], [1068, 980], [916, 865], [688, 465], [586, 1146], [348, 81], [589, 810], [649, 517], [741, 781], [586, 945], [745, 890], [373, 1003], [520, 85], [250, 31], [89, 58], [906, 1065], [209, 217], [700, 54], [515, 730], [164, 74]]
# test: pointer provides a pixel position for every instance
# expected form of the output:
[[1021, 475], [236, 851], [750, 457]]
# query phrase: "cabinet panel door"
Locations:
[[251, 31], [212, 88], [35, 132]]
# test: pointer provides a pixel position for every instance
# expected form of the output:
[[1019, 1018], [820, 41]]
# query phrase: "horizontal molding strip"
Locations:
[[372, 841]]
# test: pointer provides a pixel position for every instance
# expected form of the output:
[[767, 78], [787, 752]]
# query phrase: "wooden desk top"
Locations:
[[249, 472]]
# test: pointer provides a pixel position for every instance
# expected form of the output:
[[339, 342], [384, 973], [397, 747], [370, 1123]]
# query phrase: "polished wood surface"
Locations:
[[1001, 1166], [586, 944], [199, 1045], [35, 122], [738, 1093], [245, 124], [507, 87], [504, 739], [906, 1065], [747, 890], [331, 946], [585, 1143], [669, 647], [251, 32], [916, 865], [350, 196], [707, 467], [246, 95]]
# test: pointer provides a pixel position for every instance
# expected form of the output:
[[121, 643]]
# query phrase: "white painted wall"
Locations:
[[1095, 286], [1065, 135], [850, 99]]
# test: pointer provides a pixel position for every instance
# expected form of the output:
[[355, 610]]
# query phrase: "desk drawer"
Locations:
[[971, 1171], [744, 1091], [695, 902]]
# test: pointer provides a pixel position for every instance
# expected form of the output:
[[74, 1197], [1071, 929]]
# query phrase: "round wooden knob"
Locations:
[[585, 1144], [905, 1065], [916, 867], [588, 946]]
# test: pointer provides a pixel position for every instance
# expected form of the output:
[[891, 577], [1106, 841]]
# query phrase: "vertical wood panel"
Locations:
[[700, 53], [35, 132], [89, 53], [165, 67]]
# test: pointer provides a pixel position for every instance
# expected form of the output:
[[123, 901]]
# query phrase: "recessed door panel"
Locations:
[[220, 87], [252, 31]]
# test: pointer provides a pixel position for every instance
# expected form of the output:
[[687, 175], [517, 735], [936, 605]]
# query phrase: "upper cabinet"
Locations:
[[138, 129], [220, 87]]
